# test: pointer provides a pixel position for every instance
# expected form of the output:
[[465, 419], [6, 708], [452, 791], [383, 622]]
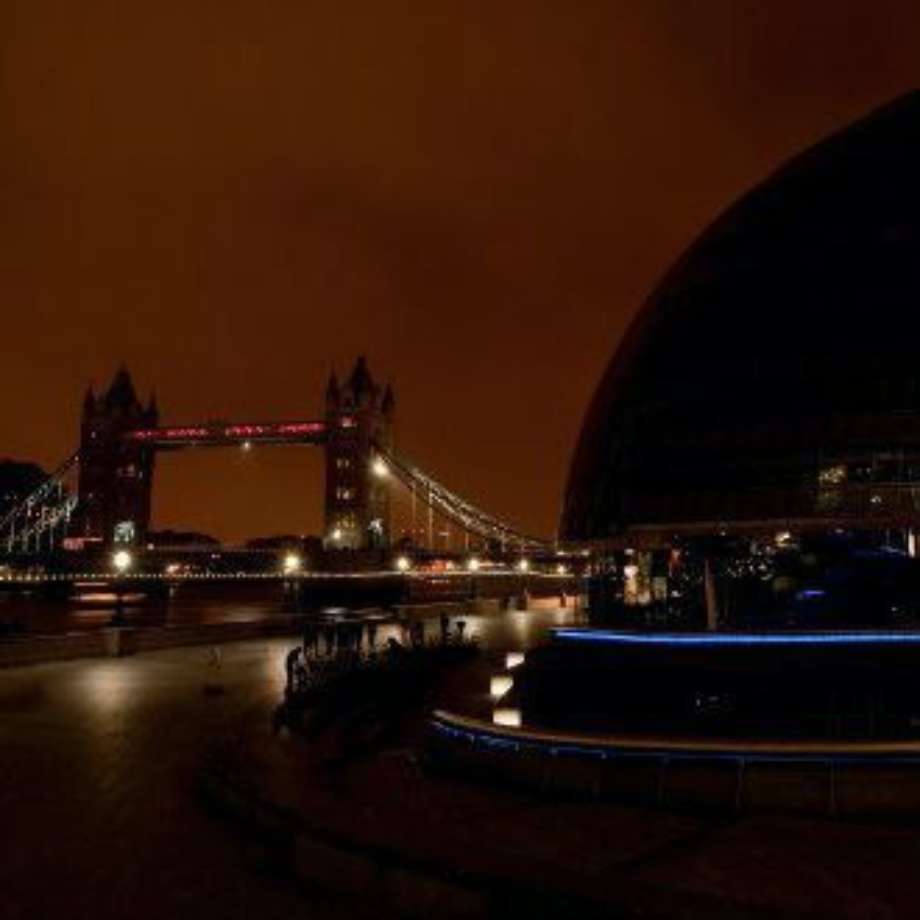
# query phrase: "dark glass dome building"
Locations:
[[772, 380]]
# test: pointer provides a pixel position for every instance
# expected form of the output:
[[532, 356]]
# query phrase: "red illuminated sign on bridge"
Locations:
[[217, 434]]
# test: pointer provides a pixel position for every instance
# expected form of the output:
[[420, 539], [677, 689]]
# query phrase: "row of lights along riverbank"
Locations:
[[404, 564], [123, 563]]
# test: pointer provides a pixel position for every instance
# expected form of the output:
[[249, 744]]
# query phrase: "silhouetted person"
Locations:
[[290, 664], [445, 628]]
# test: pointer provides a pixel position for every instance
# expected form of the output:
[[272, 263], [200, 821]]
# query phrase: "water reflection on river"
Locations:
[[33, 616]]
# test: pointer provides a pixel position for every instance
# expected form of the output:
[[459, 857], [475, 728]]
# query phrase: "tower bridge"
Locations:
[[100, 497]]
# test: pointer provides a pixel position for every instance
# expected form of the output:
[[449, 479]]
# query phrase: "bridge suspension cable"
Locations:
[[464, 514], [44, 512]]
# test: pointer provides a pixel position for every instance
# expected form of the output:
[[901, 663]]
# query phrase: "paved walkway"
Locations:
[[97, 761]]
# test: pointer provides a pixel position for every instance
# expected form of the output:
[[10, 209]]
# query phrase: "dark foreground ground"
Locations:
[[99, 761]]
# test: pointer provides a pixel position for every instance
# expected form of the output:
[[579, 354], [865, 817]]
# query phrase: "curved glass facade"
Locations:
[[773, 378]]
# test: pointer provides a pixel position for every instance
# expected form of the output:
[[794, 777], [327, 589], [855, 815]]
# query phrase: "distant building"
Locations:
[[165, 539]]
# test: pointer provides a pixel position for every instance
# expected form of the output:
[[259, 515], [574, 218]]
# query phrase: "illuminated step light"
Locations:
[[513, 659], [500, 685], [510, 718]]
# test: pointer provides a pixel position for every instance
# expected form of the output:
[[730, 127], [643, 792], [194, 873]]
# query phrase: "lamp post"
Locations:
[[122, 560]]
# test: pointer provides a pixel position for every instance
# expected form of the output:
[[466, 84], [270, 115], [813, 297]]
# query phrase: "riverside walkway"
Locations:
[[100, 759]]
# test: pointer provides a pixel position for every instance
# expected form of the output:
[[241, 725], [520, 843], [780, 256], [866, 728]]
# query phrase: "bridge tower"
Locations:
[[116, 473], [358, 415]]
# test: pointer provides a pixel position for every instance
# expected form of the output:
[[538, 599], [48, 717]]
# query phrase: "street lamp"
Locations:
[[523, 565], [122, 561], [473, 564], [379, 467], [403, 564], [292, 564]]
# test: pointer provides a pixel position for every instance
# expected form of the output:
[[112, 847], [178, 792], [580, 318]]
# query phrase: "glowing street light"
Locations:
[[473, 564], [523, 565], [403, 564], [379, 467], [292, 564], [561, 569], [246, 445], [122, 561], [336, 534]]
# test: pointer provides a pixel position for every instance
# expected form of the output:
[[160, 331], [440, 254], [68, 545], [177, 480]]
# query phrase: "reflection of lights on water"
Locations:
[[108, 685], [513, 659], [500, 685], [107, 598], [508, 717]]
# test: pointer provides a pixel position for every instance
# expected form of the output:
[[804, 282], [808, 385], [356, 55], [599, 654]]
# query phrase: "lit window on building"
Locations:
[[832, 475], [125, 532]]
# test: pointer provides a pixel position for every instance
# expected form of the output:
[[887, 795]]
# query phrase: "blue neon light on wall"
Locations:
[[676, 640]]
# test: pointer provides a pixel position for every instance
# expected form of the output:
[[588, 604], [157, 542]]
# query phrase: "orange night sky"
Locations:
[[232, 197]]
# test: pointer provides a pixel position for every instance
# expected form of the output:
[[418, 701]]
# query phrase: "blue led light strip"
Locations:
[[524, 744], [751, 639]]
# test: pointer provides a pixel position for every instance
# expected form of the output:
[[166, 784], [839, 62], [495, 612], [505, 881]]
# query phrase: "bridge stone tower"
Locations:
[[358, 416], [116, 474]]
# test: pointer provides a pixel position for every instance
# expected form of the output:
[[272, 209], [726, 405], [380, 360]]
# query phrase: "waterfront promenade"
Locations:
[[101, 758]]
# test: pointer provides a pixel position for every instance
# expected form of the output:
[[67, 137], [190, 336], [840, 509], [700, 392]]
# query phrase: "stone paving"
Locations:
[[97, 759], [97, 762]]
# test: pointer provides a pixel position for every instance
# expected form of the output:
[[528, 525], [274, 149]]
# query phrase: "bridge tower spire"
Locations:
[[116, 473], [358, 416]]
